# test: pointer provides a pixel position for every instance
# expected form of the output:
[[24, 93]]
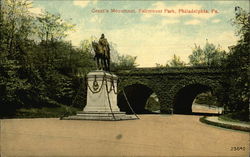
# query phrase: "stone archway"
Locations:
[[167, 82], [185, 91], [137, 95], [184, 98]]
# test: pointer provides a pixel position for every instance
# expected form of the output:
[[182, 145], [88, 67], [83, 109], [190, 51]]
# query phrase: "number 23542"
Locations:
[[238, 148]]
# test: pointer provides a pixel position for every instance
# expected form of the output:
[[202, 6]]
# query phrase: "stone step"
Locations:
[[101, 117], [100, 114]]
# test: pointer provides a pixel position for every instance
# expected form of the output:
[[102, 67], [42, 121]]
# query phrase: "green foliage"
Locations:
[[152, 103], [207, 99], [176, 62], [210, 55], [124, 62], [224, 125], [86, 45], [15, 21], [234, 117], [38, 69], [237, 67], [44, 112], [187, 70], [241, 22], [38, 74], [12, 86], [52, 27], [167, 82], [157, 65]]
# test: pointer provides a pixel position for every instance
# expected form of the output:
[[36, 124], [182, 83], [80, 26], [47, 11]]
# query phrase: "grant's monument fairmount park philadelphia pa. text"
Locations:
[[101, 89]]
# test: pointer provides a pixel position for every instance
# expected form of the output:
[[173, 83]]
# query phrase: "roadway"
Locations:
[[152, 135]]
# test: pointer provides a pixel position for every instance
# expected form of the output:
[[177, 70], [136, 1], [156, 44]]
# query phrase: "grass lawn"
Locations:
[[230, 118], [44, 112]]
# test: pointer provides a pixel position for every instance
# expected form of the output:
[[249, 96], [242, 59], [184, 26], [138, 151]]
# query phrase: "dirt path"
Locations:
[[153, 135], [206, 109]]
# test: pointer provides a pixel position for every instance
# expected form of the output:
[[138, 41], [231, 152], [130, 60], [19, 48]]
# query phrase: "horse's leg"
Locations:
[[105, 64], [98, 64], [102, 64], [108, 62]]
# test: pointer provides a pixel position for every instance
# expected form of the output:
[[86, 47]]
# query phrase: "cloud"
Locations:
[[162, 5], [193, 22], [170, 21], [82, 4], [225, 39], [152, 44], [82, 32], [216, 21], [155, 43], [94, 1], [77, 35], [36, 10], [145, 17], [225, 2], [96, 19]]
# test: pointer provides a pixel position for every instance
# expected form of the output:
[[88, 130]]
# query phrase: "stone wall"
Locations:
[[167, 83]]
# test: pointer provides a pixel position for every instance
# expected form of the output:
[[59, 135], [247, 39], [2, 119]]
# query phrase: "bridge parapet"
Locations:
[[167, 83], [171, 70]]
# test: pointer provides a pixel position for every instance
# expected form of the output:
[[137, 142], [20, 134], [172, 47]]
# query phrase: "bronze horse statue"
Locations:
[[102, 58]]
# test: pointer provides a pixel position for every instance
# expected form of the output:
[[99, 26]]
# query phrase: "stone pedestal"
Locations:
[[101, 99], [102, 90]]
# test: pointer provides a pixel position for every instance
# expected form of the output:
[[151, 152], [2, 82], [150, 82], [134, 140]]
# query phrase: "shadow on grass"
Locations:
[[43, 112], [199, 114]]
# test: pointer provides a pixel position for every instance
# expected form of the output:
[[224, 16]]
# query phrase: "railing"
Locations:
[[171, 70]]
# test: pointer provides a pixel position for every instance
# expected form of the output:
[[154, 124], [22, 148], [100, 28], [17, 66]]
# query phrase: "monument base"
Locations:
[[103, 116], [101, 99]]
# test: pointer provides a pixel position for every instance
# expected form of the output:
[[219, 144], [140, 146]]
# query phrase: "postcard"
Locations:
[[124, 78]]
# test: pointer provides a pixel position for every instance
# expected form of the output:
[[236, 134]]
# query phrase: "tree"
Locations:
[[52, 27], [210, 55], [176, 62], [15, 28], [197, 57], [237, 69], [33, 73], [241, 22], [86, 44], [41, 73], [17, 24], [124, 62], [160, 65]]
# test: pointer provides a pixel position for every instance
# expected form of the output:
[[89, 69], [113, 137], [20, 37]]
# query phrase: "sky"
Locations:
[[151, 30]]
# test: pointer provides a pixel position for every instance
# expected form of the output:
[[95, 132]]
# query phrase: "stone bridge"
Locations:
[[176, 88]]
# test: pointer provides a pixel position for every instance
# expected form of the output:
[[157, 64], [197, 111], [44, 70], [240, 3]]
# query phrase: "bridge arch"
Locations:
[[185, 92], [167, 82], [137, 95]]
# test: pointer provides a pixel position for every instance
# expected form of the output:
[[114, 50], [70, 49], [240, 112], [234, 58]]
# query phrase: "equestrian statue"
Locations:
[[102, 53]]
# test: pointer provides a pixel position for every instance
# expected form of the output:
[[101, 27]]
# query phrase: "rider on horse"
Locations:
[[104, 45], [105, 50], [102, 53]]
